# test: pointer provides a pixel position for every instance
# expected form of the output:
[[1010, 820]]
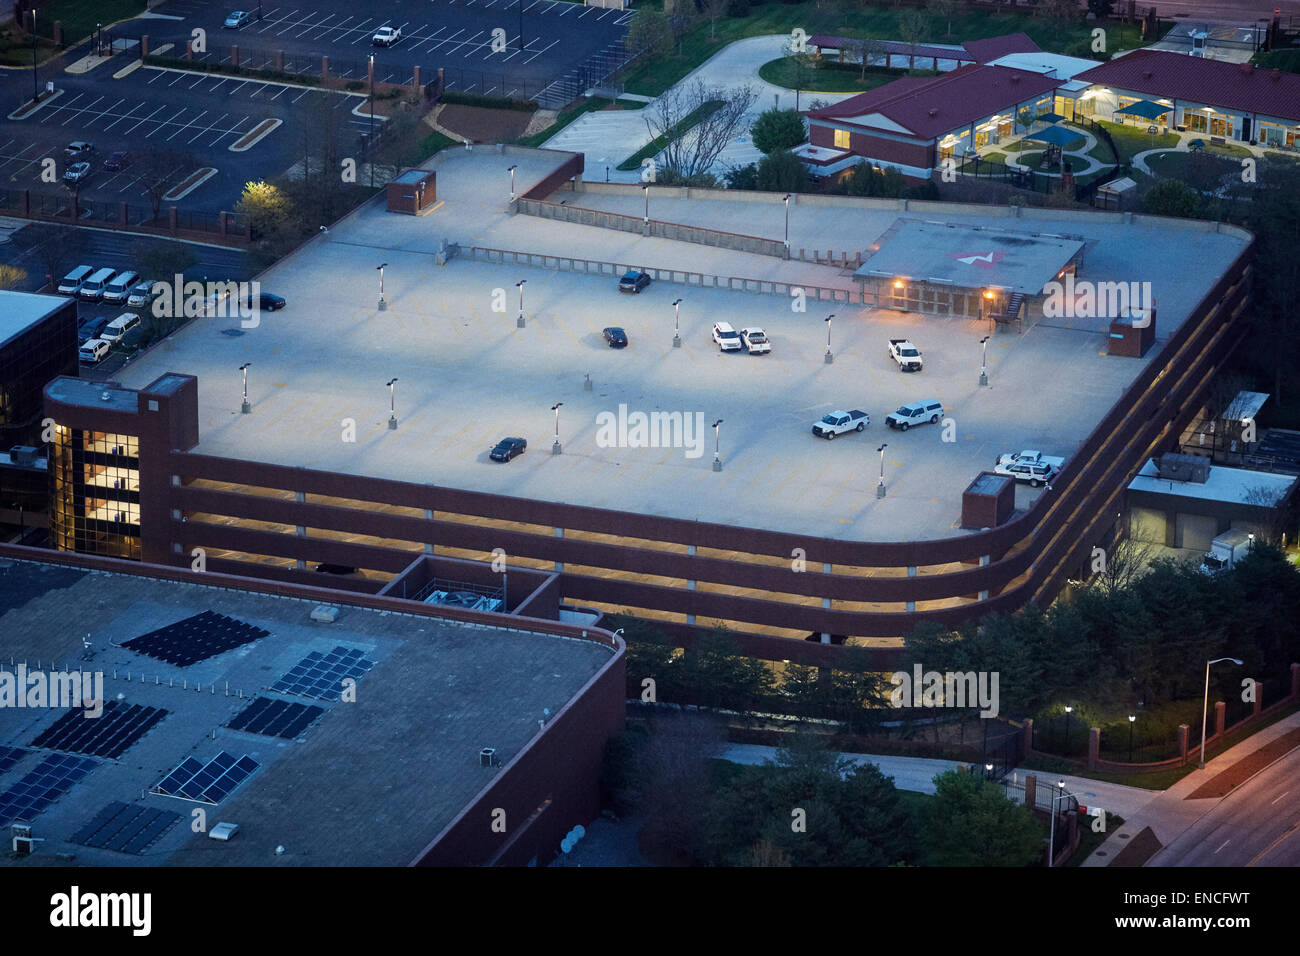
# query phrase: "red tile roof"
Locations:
[[1232, 86], [986, 51], [930, 106]]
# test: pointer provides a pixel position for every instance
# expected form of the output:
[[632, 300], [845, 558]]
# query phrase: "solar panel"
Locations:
[[125, 827], [10, 756], [276, 718], [209, 782], [196, 638], [51, 778], [321, 676], [108, 735]]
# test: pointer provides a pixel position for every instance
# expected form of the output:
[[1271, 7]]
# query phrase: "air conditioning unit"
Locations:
[[22, 455], [223, 831], [1192, 468], [487, 757]]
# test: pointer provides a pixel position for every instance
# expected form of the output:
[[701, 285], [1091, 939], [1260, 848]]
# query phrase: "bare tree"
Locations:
[[58, 248], [1127, 561], [802, 64], [1261, 496], [670, 780], [698, 149], [870, 50], [943, 10], [713, 9], [158, 172], [914, 27]]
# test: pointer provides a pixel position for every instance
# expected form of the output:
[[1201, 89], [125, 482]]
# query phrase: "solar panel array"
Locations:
[[320, 676], [206, 783], [10, 756], [275, 718], [196, 638], [52, 778], [108, 735], [127, 828]]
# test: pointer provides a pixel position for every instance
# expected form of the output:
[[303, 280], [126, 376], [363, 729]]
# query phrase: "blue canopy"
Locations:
[[1056, 135], [1146, 109]]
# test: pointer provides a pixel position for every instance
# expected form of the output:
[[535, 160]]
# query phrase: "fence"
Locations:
[[171, 221], [680, 276]]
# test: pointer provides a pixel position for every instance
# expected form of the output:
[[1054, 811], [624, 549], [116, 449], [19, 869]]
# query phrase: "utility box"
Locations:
[[1132, 334], [988, 501], [414, 192]]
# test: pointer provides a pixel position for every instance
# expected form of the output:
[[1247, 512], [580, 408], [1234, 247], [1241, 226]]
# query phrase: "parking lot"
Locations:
[[467, 376]]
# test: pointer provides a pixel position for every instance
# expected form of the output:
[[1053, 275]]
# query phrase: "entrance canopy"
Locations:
[[1049, 118], [1056, 135], [1146, 109]]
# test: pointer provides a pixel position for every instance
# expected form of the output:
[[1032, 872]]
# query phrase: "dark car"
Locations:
[[266, 302], [119, 160], [633, 281], [92, 327], [615, 337], [508, 448], [336, 569]]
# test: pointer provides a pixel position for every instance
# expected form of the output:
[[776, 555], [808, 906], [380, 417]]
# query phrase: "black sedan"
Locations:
[[118, 161], [508, 448], [633, 281], [615, 337], [265, 302]]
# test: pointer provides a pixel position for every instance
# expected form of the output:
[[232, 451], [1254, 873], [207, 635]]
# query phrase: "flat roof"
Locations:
[[371, 782], [413, 176], [81, 391], [20, 310], [467, 376], [1236, 485], [949, 254], [1245, 405]]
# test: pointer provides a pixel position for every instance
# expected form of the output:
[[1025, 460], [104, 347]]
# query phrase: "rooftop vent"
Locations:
[[934, 112], [105, 397], [1190, 468], [22, 455], [1148, 74]]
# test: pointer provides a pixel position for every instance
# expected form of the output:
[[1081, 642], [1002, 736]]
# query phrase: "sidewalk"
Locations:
[[1171, 812]]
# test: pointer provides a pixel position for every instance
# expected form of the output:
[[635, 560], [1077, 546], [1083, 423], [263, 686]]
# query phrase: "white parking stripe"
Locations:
[[540, 52], [163, 124], [445, 40], [426, 39], [145, 119], [210, 126], [186, 126]]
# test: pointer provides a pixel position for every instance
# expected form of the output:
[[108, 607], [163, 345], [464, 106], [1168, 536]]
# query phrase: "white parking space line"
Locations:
[[124, 116], [238, 88], [427, 39], [81, 110], [145, 119], [105, 112], [237, 131], [337, 26], [531, 5], [210, 126], [570, 8], [585, 11], [300, 96], [540, 52], [163, 124], [186, 126], [446, 39]]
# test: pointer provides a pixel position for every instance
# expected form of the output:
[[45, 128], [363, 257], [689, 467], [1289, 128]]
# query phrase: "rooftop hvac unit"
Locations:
[[1193, 468], [487, 757], [22, 455], [223, 831]]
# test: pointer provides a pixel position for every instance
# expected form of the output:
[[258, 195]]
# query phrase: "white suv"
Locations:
[[728, 339]]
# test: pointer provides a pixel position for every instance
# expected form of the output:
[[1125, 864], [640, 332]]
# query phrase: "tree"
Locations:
[[802, 65], [713, 9], [265, 206], [1060, 11], [943, 10], [1172, 197], [698, 149], [914, 28], [671, 780], [742, 177], [158, 172], [781, 172], [163, 258], [870, 50], [970, 822], [1101, 9], [57, 248], [12, 276], [680, 14], [1127, 561], [777, 129], [650, 31]]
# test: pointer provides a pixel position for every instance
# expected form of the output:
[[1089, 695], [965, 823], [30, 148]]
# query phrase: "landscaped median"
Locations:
[[676, 132]]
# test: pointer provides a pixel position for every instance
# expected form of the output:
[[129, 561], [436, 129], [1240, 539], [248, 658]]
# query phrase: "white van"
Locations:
[[117, 290], [92, 290], [71, 283], [118, 328], [92, 351]]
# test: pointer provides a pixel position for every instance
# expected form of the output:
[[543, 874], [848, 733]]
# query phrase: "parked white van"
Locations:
[[71, 283], [92, 290], [92, 351], [118, 328], [118, 290]]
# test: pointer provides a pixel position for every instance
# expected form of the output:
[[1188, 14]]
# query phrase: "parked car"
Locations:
[[71, 283], [728, 339], [118, 161], [508, 448], [142, 295], [336, 569], [265, 301], [237, 19], [755, 341], [386, 36], [119, 290], [633, 281], [1031, 466], [91, 328], [76, 172], [838, 422], [918, 413], [93, 351], [615, 337], [79, 149], [116, 330], [907, 355]]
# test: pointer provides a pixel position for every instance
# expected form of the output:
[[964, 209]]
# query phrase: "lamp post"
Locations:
[[677, 326], [645, 188], [520, 286], [383, 306], [829, 357], [511, 171], [245, 408], [717, 458], [988, 771], [1131, 719], [1205, 707], [786, 200], [392, 403], [880, 488], [984, 361], [521, 26], [1068, 711], [555, 447], [370, 143], [36, 87], [1051, 841]]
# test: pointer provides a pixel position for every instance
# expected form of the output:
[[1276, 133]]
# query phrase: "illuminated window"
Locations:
[[96, 493], [841, 139]]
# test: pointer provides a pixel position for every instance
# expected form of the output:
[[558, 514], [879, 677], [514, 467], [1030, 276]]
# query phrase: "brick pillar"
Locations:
[[222, 223], [279, 61], [415, 78], [58, 33], [1031, 790], [171, 219], [1094, 746], [189, 49], [1182, 741], [1259, 699], [1220, 717], [1295, 680], [1028, 732], [325, 68], [144, 45], [122, 214], [234, 56]]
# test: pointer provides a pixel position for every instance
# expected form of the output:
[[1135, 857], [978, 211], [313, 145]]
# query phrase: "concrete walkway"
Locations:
[[1169, 813], [1090, 141]]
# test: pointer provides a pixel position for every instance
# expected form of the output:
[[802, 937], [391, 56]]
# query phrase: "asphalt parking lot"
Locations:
[[456, 35], [468, 377]]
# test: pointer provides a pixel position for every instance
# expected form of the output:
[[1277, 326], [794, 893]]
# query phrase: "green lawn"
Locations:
[[1131, 140], [79, 17], [1175, 165], [1032, 157], [782, 72], [1286, 60], [652, 75]]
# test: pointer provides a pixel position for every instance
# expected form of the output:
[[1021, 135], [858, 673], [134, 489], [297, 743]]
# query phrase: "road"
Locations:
[[1256, 825]]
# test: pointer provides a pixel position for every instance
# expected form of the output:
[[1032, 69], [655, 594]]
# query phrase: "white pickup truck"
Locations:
[[907, 355], [1031, 466], [839, 422]]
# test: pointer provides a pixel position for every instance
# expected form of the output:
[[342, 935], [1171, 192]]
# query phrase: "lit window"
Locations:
[[841, 139]]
